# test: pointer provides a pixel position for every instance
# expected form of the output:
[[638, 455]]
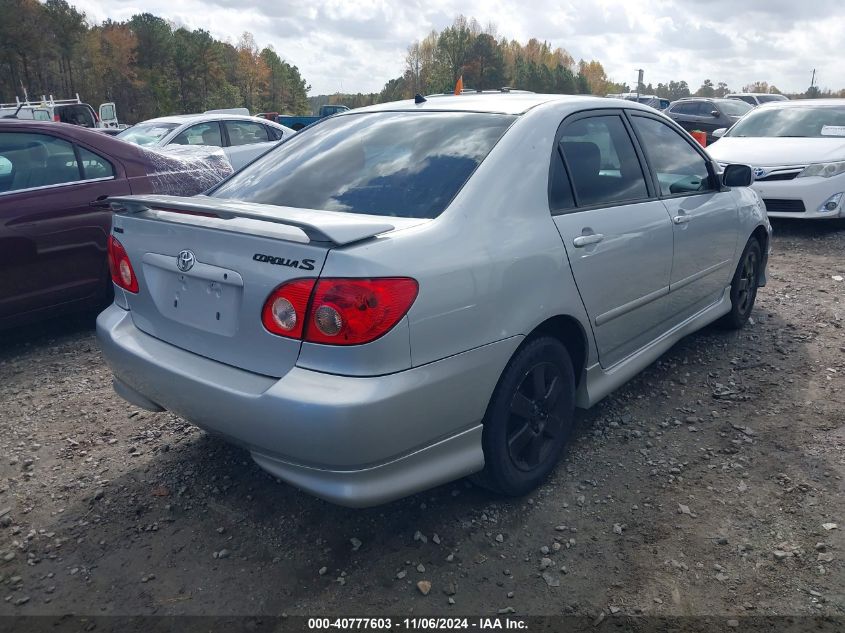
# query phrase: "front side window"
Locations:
[[200, 134], [678, 167], [35, 160], [245, 132], [602, 161], [405, 164]]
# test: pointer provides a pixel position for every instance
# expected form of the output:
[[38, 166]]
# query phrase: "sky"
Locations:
[[358, 45]]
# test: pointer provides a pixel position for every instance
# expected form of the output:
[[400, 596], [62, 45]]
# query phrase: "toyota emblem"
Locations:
[[185, 261]]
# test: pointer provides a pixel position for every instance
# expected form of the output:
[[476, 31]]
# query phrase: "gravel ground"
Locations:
[[711, 484]]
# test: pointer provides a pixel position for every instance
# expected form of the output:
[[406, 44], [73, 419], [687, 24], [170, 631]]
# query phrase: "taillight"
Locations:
[[340, 311], [285, 310], [57, 118], [120, 266], [356, 311]]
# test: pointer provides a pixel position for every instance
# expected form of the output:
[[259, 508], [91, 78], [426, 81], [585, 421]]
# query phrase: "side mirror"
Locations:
[[737, 176], [714, 114], [719, 133]]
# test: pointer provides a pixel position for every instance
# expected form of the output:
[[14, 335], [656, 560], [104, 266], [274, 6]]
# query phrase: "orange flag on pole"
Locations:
[[459, 86]]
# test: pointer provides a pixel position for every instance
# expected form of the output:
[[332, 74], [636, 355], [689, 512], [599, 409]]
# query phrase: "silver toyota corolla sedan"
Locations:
[[414, 292]]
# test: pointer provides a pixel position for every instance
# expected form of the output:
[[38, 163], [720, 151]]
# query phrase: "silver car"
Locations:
[[242, 137], [413, 292]]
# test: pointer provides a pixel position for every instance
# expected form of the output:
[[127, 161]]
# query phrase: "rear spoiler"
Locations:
[[328, 227]]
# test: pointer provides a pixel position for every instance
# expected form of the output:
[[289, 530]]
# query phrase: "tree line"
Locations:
[[146, 65], [150, 68], [487, 61]]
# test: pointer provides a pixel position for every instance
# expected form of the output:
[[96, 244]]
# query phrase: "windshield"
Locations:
[[406, 164], [147, 133], [733, 107], [797, 121], [770, 98]]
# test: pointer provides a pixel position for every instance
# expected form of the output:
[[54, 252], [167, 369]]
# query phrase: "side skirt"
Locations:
[[599, 382]]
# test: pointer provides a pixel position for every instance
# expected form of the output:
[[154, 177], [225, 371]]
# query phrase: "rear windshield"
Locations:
[[147, 133], [406, 164], [76, 115]]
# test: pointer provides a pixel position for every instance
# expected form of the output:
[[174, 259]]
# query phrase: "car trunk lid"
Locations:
[[205, 267]]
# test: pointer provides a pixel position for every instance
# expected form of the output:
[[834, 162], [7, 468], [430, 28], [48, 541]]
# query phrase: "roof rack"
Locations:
[[476, 91], [45, 102]]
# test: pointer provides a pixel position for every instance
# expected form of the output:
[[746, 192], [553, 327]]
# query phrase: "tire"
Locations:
[[744, 286], [524, 433]]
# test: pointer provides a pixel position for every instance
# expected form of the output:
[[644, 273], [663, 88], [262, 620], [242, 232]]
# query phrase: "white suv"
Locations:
[[756, 98]]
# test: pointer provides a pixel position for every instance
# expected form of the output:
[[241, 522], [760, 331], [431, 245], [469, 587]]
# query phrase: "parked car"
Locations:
[[706, 115], [405, 294], [242, 137], [73, 111], [653, 101], [797, 150], [53, 234], [299, 122], [756, 98]]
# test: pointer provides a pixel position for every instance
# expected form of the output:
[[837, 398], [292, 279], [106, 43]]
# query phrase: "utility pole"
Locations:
[[812, 84], [639, 82]]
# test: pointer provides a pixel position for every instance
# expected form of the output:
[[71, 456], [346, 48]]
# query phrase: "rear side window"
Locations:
[[76, 115], [406, 164], [685, 108], [94, 165], [200, 134], [678, 167], [246, 132], [275, 134], [602, 161], [29, 160]]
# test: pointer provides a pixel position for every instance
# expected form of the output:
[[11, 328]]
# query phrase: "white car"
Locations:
[[797, 152], [756, 98], [242, 137]]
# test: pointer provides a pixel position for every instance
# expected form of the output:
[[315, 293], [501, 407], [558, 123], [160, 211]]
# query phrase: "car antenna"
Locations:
[[418, 98]]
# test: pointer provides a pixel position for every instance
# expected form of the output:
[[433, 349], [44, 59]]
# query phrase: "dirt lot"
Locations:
[[708, 485]]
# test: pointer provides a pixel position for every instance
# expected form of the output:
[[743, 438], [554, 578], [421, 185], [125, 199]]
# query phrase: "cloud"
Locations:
[[358, 45]]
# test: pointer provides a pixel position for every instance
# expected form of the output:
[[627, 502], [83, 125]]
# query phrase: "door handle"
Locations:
[[100, 202], [585, 240], [681, 219]]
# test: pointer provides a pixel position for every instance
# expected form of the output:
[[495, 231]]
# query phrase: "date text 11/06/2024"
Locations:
[[418, 624]]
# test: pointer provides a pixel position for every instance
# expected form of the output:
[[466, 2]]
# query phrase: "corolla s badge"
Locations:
[[185, 261], [759, 172]]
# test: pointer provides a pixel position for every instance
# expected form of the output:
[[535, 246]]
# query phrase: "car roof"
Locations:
[[804, 103], [493, 103], [211, 116], [716, 99]]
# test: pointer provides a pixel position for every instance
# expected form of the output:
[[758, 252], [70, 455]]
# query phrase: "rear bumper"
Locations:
[[351, 440]]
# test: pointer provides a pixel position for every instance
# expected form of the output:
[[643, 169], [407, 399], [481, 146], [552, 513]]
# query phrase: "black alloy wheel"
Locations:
[[529, 418]]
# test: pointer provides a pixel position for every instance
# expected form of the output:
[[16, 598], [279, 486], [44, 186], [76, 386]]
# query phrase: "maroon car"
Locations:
[[53, 226]]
